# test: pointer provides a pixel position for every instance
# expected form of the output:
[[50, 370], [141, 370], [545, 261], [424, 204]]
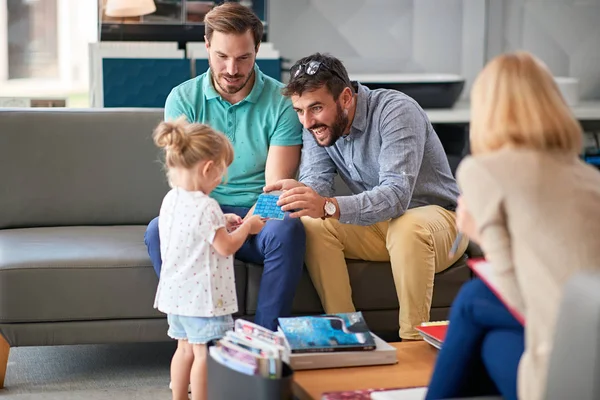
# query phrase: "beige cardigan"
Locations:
[[538, 216]]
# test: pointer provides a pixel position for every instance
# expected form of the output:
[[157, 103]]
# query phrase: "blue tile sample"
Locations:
[[141, 82], [266, 207]]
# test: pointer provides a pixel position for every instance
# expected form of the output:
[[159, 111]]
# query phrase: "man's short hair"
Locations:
[[315, 71], [233, 18]]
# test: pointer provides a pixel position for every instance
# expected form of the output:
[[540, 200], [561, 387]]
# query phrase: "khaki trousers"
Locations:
[[417, 245]]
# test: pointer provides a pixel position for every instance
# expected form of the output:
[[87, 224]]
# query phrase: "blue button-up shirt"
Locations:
[[392, 160]]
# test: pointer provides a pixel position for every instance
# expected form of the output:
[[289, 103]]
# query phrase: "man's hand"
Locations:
[[283, 184], [232, 221], [305, 200], [465, 222]]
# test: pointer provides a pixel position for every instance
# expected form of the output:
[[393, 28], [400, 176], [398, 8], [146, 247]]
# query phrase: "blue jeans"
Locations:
[[482, 348], [280, 246]]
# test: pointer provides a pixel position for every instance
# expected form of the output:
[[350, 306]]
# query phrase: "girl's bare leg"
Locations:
[[198, 377], [181, 367]]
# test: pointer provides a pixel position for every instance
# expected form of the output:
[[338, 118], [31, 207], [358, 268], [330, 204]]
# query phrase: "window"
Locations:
[[44, 50], [32, 39]]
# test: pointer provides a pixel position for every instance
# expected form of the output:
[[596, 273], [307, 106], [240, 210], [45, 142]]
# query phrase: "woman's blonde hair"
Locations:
[[515, 102], [187, 144]]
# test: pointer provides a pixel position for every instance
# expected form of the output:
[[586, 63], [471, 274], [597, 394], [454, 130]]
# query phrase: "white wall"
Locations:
[[402, 36], [81, 28], [565, 34], [3, 42], [384, 36], [442, 36]]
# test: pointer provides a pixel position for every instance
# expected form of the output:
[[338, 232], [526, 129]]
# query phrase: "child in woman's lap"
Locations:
[[197, 284]]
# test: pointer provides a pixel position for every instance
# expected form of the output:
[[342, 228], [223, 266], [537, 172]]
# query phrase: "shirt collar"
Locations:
[[359, 123], [207, 86], [259, 83]]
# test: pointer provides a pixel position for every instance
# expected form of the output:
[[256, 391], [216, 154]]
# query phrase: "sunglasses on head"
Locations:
[[311, 68]]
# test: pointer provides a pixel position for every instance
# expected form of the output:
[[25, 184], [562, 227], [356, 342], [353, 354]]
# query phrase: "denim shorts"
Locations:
[[198, 330]]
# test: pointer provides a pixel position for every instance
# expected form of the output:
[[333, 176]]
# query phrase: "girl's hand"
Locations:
[[465, 221], [256, 224], [232, 222]]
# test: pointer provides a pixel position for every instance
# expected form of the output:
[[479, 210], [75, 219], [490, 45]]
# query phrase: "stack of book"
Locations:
[[250, 349], [433, 333], [312, 342], [332, 341]]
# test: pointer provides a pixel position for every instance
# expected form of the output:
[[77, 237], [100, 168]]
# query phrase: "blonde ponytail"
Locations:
[[171, 135], [186, 144]]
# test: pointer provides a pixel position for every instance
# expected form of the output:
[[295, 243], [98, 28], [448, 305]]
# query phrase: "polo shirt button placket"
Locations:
[[230, 123]]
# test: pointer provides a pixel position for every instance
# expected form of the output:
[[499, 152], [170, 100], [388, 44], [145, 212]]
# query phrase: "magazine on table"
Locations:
[[327, 333], [414, 393]]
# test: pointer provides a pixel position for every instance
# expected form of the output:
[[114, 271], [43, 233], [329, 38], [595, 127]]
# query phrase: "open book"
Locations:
[[484, 270]]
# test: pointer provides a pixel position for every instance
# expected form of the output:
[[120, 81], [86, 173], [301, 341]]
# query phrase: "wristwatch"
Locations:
[[329, 208]]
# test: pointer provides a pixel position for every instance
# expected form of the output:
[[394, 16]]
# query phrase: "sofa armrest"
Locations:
[[575, 359]]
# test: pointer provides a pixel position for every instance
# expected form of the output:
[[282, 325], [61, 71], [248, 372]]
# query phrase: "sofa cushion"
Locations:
[[372, 287], [79, 167], [80, 273]]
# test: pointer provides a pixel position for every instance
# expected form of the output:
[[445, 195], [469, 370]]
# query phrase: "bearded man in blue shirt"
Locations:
[[384, 148]]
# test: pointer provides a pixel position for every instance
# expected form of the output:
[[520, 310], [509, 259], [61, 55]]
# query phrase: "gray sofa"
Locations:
[[78, 189]]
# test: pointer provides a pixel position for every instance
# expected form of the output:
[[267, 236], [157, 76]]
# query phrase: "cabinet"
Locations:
[[142, 74]]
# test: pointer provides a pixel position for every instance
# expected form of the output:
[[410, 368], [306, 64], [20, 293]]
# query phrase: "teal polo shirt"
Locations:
[[264, 118]]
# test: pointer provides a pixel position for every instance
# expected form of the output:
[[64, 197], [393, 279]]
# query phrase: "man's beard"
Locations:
[[229, 89], [336, 130]]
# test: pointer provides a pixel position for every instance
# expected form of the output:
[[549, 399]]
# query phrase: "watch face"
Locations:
[[329, 208]]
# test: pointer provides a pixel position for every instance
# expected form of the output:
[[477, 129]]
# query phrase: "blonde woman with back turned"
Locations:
[[534, 208], [197, 285]]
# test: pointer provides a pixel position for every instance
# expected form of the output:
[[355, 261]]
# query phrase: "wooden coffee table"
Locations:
[[414, 368]]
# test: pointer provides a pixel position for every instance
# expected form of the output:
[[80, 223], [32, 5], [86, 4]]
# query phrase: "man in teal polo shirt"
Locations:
[[236, 98]]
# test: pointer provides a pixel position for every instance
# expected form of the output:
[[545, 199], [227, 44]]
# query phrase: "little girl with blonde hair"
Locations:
[[197, 285]]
